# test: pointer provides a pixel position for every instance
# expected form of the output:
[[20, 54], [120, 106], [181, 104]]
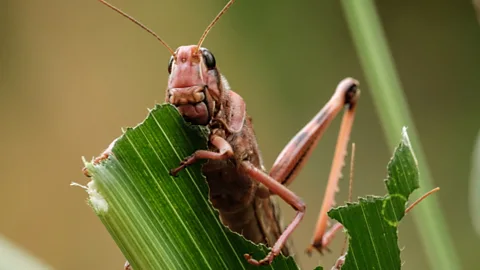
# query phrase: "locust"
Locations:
[[240, 187]]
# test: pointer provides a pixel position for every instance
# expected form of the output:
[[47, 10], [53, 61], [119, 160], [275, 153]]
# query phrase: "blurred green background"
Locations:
[[72, 73]]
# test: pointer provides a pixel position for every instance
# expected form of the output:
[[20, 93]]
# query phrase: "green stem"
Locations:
[[392, 107]]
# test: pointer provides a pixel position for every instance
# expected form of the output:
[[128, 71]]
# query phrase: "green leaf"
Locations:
[[372, 222], [161, 222]]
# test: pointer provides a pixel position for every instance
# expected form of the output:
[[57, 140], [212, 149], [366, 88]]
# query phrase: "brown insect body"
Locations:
[[203, 96], [244, 205], [240, 188]]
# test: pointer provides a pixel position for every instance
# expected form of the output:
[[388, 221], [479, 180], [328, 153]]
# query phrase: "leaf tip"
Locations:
[[406, 142], [405, 138]]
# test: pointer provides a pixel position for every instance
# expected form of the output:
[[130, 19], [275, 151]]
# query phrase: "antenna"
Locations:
[[210, 26], [141, 25]]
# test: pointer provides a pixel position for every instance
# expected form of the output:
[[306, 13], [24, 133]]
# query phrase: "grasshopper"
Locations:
[[240, 188]]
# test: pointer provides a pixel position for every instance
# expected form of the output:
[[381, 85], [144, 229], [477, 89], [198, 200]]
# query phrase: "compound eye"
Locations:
[[170, 63], [208, 58]]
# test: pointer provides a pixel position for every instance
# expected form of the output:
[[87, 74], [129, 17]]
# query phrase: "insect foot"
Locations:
[[187, 161], [265, 261], [321, 248]]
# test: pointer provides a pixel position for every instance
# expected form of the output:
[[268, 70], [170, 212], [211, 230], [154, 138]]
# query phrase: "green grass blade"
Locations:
[[161, 222], [393, 110], [14, 257]]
